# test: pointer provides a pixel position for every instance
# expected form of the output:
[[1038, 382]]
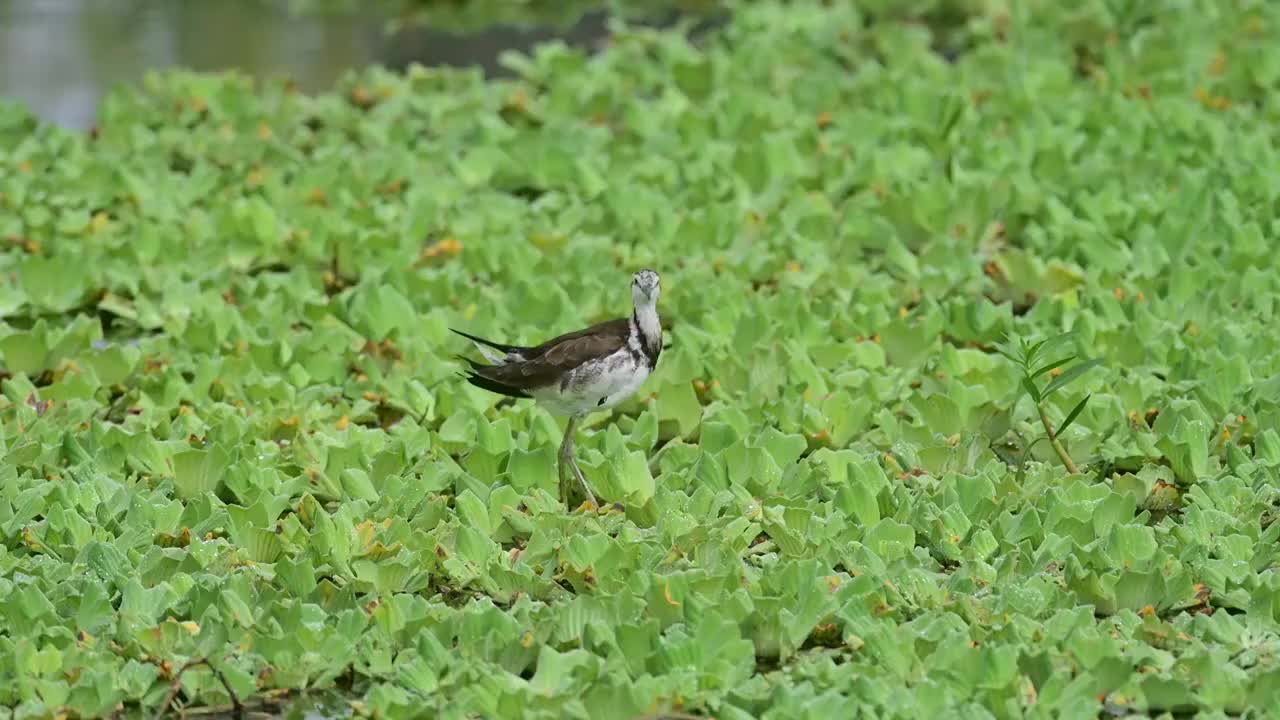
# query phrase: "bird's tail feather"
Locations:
[[511, 352], [474, 377]]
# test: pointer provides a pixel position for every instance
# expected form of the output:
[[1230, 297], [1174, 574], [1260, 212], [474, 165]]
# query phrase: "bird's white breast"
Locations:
[[595, 385]]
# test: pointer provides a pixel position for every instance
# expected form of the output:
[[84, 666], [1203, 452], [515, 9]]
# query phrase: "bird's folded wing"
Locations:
[[558, 356]]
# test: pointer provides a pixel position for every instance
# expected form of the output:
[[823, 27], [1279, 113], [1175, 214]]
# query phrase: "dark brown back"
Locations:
[[547, 362]]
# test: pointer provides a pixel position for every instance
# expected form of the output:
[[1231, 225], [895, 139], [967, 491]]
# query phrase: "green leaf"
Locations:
[[297, 574], [1010, 353], [107, 562], [1133, 546], [198, 472], [473, 512], [535, 468], [356, 484], [1031, 389], [1187, 450], [1267, 448], [890, 540], [1071, 416], [1051, 365], [25, 352], [262, 219], [54, 284], [263, 545], [35, 605], [237, 609], [1070, 375], [635, 483], [857, 482], [558, 673], [95, 609], [678, 402]]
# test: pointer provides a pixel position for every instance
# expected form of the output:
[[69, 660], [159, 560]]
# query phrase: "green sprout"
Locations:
[[1028, 358]]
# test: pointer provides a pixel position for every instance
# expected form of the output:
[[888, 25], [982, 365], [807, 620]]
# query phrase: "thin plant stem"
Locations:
[[176, 686], [1067, 462]]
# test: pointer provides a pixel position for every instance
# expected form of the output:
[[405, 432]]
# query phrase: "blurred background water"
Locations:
[[58, 57]]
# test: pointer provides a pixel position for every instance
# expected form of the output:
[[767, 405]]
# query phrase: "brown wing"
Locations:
[[550, 360], [618, 327]]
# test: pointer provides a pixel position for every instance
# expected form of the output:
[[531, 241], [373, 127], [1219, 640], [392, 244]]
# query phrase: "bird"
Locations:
[[579, 372]]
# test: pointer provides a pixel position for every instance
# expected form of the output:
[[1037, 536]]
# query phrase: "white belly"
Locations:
[[596, 385]]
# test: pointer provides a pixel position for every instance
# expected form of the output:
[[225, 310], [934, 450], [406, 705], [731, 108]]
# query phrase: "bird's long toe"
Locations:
[[582, 483]]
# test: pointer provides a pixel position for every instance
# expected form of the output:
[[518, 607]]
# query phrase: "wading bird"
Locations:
[[576, 373]]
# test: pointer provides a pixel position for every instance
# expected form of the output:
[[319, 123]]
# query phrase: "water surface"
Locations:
[[58, 57]]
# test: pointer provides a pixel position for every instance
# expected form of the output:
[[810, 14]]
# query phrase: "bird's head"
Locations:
[[644, 288]]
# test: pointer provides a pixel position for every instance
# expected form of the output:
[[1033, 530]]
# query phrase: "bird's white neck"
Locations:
[[644, 321]]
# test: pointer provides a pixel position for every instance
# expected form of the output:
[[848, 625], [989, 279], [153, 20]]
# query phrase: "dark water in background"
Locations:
[[58, 57]]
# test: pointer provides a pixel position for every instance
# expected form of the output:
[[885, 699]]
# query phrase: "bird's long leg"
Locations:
[[566, 455], [569, 467]]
